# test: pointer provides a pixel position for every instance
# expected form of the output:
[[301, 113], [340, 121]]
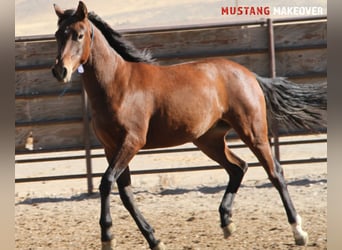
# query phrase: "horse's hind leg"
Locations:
[[126, 195], [255, 136], [213, 145]]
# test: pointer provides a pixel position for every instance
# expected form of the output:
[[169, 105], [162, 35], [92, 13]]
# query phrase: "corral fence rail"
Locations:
[[52, 117]]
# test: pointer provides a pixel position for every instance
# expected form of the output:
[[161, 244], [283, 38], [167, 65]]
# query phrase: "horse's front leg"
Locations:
[[105, 217], [117, 165], [126, 195]]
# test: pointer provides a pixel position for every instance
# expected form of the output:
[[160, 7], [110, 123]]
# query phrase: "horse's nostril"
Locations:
[[64, 72]]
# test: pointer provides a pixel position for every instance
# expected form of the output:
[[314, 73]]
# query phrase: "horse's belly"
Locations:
[[166, 140], [167, 133]]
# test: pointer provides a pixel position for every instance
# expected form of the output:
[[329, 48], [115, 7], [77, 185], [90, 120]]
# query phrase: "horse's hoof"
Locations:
[[108, 245], [302, 240], [160, 246], [229, 230]]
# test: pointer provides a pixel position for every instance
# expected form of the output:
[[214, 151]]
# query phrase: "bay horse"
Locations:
[[138, 104]]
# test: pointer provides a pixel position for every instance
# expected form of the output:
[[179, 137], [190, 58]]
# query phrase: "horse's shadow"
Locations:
[[300, 182], [38, 200], [202, 189], [217, 189], [165, 191], [86, 196]]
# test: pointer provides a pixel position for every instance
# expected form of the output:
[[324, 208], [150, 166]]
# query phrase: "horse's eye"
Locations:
[[80, 36]]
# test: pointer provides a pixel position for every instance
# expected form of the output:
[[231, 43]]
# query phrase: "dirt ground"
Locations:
[[182, 207]]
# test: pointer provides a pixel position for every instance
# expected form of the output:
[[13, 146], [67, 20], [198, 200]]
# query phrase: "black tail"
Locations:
[[295, 105]]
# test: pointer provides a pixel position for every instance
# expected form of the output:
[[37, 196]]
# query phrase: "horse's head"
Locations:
[[74, 39]]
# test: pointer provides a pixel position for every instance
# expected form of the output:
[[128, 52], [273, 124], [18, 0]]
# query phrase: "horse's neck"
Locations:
[[103, 59], [102, 69]]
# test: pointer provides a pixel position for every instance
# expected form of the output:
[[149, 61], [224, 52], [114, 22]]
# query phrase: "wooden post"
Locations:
[[86, 134], [273, 75]]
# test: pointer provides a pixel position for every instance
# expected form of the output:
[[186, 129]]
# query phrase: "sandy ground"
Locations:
[[182, 207]]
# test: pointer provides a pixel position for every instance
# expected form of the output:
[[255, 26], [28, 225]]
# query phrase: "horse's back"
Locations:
[[235, 87]]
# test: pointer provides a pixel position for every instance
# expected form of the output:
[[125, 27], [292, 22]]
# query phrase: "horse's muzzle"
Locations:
[[60, 73]]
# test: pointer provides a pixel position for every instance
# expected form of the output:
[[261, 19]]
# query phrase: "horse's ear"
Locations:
[[58, 10], [81, 11]]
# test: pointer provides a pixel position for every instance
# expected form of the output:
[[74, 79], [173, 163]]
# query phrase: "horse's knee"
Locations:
[[105, 186]]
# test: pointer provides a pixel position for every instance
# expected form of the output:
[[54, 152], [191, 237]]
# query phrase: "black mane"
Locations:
[[123, 47]]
